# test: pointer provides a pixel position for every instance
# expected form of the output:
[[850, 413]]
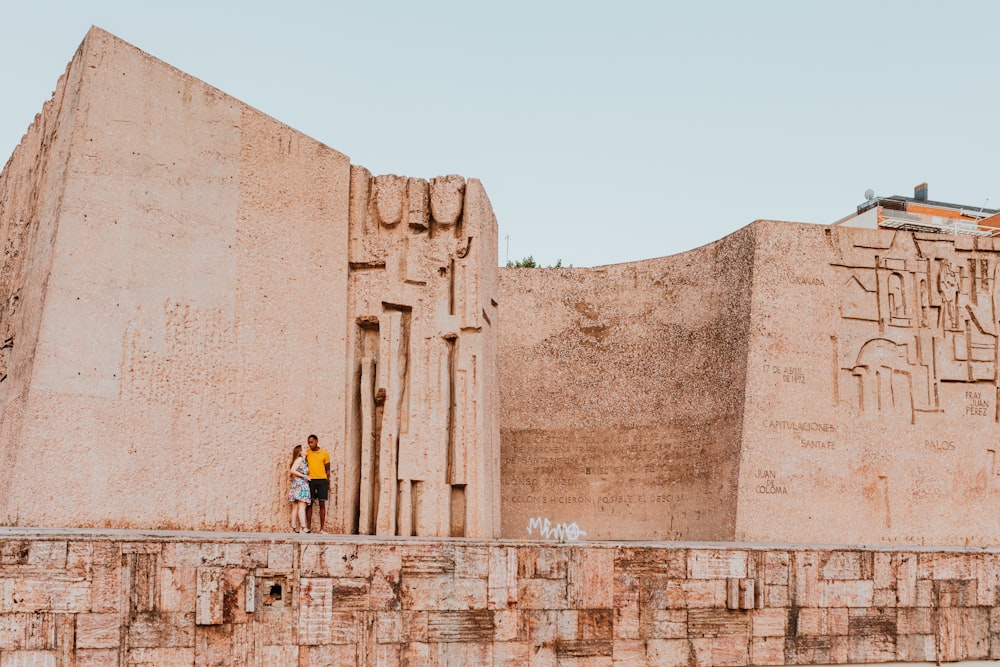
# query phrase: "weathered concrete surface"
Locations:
[[31, 188], [126, 598], [871, 414], [183, 295], [197, 247], [622, 394]]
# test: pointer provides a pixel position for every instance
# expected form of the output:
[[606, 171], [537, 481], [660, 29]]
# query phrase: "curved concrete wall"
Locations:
[[622, 394]]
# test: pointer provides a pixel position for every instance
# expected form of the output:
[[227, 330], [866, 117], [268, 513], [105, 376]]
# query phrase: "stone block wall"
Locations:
[[119, 598]]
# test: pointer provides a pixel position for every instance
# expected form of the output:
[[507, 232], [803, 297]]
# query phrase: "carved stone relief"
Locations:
[[420, 448], [917, 313]]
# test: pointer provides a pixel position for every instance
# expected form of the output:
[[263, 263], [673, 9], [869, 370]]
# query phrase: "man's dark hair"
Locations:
[[313, 437]]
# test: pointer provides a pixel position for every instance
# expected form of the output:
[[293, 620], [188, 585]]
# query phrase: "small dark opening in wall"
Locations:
[[275, 593]]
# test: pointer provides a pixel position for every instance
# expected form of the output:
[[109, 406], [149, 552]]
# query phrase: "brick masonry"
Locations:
[[118, 598]]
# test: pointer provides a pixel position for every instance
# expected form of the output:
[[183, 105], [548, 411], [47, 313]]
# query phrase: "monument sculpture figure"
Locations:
[[421, 458]]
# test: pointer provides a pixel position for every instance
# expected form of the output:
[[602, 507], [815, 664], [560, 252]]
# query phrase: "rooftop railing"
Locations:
[[917, 222]]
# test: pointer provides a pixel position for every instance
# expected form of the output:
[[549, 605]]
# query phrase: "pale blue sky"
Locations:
[[603, 131]]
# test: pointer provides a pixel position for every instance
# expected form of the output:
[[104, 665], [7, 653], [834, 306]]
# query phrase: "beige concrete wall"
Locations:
[[872, 412], [194, 321], [622, 395], [32, 186], [128, 599]]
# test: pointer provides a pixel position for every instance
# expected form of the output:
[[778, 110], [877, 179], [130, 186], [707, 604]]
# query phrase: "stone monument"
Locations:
[[190, 288]]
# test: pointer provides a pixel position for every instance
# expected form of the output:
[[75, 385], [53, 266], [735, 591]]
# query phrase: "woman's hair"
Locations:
[[296, 453]]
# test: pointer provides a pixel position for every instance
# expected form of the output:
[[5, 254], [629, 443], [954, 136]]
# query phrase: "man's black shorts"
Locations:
[[319, 489]]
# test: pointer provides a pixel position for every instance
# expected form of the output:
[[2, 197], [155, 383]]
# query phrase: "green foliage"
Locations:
[[526, 263], [530, 263]]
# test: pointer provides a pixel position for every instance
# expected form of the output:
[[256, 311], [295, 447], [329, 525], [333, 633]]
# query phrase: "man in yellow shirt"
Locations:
[[319, 480]]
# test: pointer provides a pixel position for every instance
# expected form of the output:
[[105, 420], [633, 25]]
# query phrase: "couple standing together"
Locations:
[[310, 473]]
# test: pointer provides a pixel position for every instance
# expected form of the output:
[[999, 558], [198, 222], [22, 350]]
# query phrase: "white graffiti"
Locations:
[[560, 532]]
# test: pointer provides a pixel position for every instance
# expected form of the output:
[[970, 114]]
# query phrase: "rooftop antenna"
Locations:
[[869, 194], [507, 238]]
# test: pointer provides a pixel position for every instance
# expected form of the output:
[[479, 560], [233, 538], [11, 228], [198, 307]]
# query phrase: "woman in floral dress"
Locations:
[[298, 495]]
